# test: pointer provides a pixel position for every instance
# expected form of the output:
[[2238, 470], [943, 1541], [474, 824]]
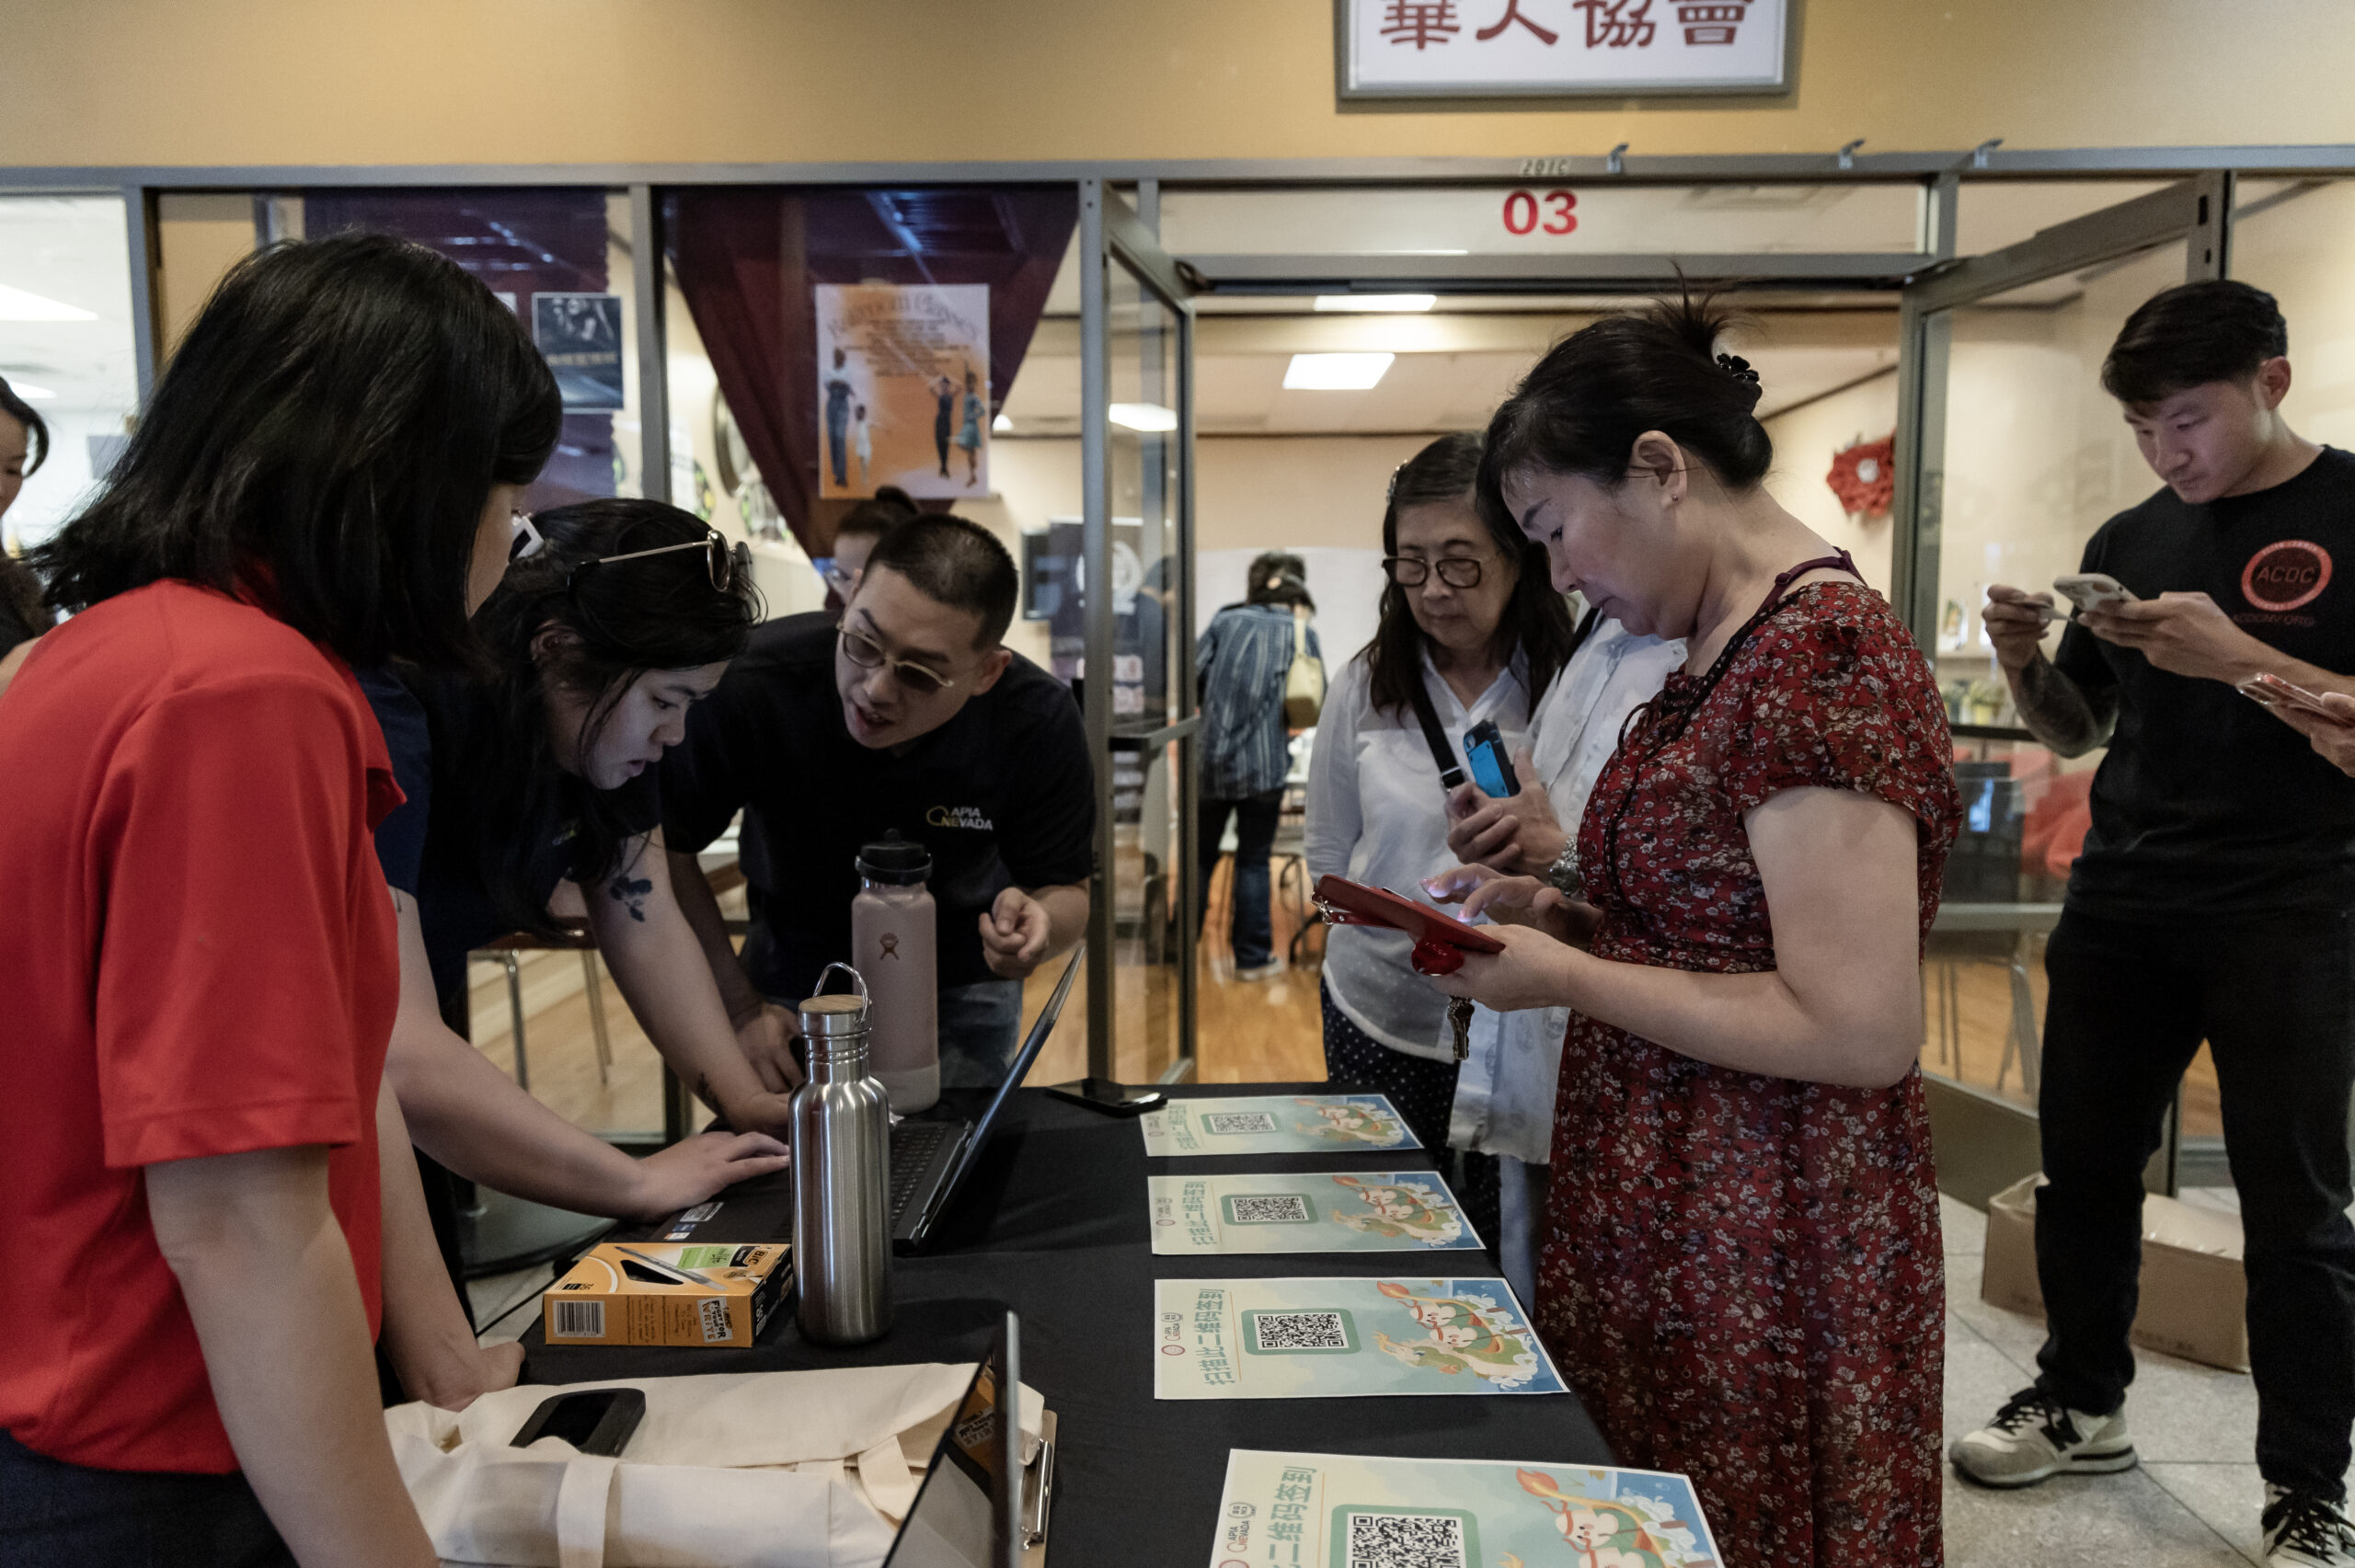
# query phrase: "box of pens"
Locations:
[[650, 1293]]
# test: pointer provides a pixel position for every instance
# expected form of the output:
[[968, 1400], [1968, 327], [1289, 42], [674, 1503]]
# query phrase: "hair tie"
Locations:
[[1737, 367]]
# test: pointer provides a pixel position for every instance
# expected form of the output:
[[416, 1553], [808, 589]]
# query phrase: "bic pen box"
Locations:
[[645, 1294]]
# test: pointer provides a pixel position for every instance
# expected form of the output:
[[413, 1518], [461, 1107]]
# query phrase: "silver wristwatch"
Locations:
[[1564, 873]]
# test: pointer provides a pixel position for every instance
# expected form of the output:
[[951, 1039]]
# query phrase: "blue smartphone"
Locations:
[[1484, 748]]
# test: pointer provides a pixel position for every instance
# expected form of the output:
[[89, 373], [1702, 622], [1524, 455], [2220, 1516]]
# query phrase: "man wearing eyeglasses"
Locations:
[[913, 715]]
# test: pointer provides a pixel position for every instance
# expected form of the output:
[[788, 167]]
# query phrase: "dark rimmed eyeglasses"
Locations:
[[920, 680], [1413, 571]]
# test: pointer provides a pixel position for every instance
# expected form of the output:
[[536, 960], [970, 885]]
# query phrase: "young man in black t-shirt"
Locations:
[[2213, 900], [913, 716]]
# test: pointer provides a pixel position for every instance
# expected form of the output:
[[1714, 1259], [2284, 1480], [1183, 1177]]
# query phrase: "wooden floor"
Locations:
[[1247, 1032]]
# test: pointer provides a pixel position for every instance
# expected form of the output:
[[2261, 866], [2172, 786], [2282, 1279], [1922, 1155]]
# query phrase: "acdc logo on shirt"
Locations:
[[2285, 574]]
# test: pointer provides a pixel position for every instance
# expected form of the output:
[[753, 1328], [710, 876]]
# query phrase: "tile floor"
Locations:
[[2193, 1504]]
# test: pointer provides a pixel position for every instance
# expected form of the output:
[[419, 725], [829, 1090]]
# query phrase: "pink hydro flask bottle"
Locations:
[[892, 933]]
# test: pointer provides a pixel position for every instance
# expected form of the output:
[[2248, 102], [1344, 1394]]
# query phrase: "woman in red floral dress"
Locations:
[[1742, 1276]]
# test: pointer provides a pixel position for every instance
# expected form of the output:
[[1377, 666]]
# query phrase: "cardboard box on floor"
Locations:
[[2194, 1298]]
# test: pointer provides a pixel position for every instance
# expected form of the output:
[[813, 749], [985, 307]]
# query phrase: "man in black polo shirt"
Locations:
[[2212, 899], [914, 716]]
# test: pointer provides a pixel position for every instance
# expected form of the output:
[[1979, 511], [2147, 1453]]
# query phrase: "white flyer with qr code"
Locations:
[[1315, 1211], [1349, 1511], [1343, 1339], [1276, 1123]]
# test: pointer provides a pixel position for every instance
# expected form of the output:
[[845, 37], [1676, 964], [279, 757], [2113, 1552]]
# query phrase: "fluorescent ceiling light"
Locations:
[[16, 305], [1336, 373], [1142, 416], [28, 391], [1385, 303], [1000, 424]]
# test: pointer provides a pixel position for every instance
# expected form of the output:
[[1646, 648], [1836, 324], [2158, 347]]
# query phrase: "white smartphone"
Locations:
[[2092, 591]]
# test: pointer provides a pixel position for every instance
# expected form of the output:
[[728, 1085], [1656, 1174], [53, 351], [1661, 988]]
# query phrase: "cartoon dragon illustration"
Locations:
[[1612, 1534], [1349, 1123], [1459, 1335], [1397, 1211]]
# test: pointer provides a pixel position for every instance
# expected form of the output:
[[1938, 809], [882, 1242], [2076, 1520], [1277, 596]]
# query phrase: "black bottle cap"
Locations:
[[895, 861]]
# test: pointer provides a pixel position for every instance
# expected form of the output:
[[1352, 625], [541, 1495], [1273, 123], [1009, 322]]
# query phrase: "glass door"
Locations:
[[1137, 681], [2009, 456]]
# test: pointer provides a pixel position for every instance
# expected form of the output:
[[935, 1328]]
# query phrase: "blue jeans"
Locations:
[[980, 1033], [1255, 836], [54, 1515]]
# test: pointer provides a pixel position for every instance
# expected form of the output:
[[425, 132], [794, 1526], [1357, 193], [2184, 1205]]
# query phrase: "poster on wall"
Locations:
[[903, 389], [581, 338], [1545, 48]]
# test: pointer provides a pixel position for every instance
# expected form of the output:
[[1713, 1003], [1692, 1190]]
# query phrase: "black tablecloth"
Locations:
[[1055, 1223]]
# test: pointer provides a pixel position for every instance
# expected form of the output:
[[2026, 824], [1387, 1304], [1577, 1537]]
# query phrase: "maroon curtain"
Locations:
[[747, 258]]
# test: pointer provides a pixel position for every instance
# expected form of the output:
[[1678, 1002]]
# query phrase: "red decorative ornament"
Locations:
[[1864, 476]]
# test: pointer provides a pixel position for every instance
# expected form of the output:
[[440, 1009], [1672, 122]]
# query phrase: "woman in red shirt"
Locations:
[[1743, 1276], [198, 946]]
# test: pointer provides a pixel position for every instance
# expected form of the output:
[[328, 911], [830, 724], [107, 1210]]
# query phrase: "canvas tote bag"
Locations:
[[748, 1470], [1304, 681]]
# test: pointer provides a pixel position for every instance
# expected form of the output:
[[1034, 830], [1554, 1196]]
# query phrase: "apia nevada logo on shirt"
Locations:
[[2286, 575], [969, 817]]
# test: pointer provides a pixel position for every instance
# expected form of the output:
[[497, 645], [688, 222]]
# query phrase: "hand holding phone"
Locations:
[[1484, 748], [2092, 591], [2279, 696]]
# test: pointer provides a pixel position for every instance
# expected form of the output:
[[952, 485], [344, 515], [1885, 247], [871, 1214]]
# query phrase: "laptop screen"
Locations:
[[965, 1516], [1021, 1067]]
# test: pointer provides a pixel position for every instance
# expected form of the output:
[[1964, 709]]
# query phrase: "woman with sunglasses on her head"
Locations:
[[1743, 1278], [205, 1186], [24, 447], [1470, 631], [614, 617]]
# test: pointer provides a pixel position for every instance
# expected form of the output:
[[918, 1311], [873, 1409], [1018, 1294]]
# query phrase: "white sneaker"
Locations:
[[2033, 1437], [2304, 1528], [1267, 971]]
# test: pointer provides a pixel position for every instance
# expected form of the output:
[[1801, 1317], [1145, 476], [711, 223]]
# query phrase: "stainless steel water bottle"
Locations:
[[842, 1156]]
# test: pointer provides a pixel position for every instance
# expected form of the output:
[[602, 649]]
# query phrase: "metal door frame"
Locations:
[[1111, 234]]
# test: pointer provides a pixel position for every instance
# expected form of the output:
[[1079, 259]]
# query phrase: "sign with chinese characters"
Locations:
[[1540, 48], [1322, 1211], [1276, 1123], [1349, 1338]]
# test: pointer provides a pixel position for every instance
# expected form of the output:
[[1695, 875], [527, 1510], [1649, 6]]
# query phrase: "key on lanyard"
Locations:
[[1459, 1018]]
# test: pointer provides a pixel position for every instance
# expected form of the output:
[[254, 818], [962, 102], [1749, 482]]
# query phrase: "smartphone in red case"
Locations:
[[1440, 940]]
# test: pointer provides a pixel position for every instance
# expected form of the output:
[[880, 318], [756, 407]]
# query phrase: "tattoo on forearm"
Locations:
[[631, 893], [2064, 715]]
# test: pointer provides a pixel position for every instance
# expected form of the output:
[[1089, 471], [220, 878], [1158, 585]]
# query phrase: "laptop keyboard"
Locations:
[[913, 1147]]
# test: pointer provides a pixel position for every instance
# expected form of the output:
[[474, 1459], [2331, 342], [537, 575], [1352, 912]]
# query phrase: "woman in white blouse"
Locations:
[[1470, 625]]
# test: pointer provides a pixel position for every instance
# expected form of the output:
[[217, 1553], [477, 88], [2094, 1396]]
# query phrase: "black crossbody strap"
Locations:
[[1451, 771]]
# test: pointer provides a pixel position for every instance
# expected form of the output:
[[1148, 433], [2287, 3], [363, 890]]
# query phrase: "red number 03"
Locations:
[[1557, 209]]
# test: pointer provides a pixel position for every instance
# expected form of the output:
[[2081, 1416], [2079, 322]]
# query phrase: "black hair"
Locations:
[[1278, 576], [36, 428], [1535, 618], [2191, 335], [877, 515], [326, 437], [957, 563], [1581, 409], [496, 771]]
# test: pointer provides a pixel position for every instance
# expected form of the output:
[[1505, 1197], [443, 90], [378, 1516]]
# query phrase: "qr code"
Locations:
[[1298, 1331], [1274, 1208], [1404, 1541], [1238, 1121], [716, 1329], [578, 1320]]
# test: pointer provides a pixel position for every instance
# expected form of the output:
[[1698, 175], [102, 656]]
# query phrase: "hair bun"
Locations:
[[1737, 367]]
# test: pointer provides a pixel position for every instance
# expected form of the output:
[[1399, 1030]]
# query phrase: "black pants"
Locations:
[[1251, 921], [55, 1515], [1424, 1092], [2129, 1004]]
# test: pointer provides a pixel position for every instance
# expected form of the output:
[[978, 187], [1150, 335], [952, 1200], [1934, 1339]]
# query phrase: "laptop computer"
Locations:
[[929, 1158], [968, 1513]]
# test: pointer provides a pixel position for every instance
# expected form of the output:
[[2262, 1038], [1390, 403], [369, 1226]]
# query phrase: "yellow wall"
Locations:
[[493, 81]]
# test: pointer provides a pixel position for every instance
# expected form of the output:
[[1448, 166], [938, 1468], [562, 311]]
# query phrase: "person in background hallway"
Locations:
[[618, 617], [205, 1183], [2215, 897], [854, 539], [1242, 662], [1744, 1278], [1470, 630], [24, 447], [1504, 1094]]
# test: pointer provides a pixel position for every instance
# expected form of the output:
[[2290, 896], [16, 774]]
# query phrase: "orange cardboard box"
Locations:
[[618, 1297]]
